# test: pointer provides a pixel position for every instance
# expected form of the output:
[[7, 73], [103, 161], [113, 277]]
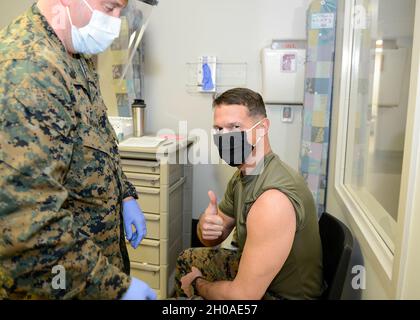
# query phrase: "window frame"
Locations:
[[390, 265]]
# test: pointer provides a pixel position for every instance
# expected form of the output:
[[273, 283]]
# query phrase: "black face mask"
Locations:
[[233, 147]]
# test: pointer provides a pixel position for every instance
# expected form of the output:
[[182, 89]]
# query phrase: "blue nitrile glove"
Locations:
[[139, 290], [133, 215], [207, 78]]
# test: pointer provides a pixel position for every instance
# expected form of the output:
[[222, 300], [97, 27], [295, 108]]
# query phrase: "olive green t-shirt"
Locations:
[[301, 275]]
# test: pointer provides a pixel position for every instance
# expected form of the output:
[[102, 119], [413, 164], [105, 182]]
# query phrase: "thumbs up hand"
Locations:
[[211, 223]]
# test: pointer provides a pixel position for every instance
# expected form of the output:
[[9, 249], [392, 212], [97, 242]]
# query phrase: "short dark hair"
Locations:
[[244, 97]]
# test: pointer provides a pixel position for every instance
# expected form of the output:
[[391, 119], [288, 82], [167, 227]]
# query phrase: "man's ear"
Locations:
[[266, 123]]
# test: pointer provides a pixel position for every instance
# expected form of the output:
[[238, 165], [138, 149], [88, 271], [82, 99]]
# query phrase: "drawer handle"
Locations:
[[150, 243], [152, 182], [140, 163], [152, 217], [154, 179], [142, 177], [147, 190], [145, 267], [148, 164]]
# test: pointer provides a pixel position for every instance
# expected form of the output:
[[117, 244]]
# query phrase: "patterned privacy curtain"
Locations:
[[321, 33]]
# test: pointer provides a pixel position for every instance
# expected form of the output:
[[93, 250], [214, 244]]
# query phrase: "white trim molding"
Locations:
[[407, 266]]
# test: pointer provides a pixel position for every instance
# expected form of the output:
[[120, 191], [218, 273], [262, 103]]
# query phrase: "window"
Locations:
[[380, 74]]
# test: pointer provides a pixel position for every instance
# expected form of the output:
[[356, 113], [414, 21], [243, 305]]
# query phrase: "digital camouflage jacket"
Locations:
[[61, 183]]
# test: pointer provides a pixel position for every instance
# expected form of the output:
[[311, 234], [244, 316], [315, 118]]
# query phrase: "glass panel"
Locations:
[[121, 67], [381, 61]]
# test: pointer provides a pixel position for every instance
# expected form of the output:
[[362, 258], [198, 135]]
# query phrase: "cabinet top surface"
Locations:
[[166, 147]]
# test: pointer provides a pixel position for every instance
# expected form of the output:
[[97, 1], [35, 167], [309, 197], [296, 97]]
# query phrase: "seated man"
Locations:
[[279, 252]]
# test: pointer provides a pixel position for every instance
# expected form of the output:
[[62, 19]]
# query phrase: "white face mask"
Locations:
[[97, 35]]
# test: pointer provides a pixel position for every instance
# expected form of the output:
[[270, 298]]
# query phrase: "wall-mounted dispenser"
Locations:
[[283, 72], [206, 74], [283, 77]]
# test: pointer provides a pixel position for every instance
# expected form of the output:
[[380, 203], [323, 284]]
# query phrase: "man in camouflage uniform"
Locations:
[[61, 184]]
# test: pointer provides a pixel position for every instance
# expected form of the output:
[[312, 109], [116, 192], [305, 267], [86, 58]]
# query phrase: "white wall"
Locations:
[[232, 30], [10, 10]]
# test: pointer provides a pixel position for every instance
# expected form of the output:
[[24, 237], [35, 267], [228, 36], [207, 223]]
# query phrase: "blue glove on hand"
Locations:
[[139, 290], [133, 215]]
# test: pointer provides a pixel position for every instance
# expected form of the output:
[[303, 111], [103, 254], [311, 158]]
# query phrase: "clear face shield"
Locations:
[[121, 67], [135, 18]]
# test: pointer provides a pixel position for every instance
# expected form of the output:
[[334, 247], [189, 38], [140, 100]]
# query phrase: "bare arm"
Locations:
[[271, 226]]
